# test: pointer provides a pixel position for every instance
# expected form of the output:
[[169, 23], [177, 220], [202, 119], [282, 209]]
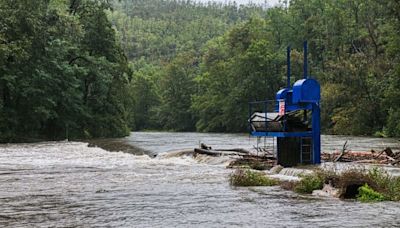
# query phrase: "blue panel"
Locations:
[[306, 90], [297, 107], [282, 94], [281, 134]]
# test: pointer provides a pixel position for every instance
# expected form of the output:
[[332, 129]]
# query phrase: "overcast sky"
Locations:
[[270, 2]]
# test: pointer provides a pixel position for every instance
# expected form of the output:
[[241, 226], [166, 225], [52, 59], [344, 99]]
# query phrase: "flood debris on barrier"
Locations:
[[385, 156]]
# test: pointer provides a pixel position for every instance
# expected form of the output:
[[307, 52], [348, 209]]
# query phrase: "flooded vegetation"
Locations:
[[71, 184]]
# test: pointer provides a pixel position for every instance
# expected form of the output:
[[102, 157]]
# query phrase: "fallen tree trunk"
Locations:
[[389, 152], [217, 153], [240, 150], [395, 162]]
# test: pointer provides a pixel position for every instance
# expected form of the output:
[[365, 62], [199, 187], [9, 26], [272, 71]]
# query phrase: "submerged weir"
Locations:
[[71, 184]]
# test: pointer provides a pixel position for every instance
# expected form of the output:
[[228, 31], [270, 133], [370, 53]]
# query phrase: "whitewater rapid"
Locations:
[[68, 184]]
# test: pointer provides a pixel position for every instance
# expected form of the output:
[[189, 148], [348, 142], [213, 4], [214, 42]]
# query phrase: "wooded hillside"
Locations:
[[205, 86], [85, 68]]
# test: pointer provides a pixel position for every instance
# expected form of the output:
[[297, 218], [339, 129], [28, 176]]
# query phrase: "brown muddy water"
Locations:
[[68, 184]]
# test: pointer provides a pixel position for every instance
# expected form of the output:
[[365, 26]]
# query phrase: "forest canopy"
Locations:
[[62, 71], [92, 68]]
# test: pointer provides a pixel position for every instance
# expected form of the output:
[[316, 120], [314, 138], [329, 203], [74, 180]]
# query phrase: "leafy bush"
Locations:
[[380, 177], [374, 185], [258, 165], [367, 194], [386, 184], [246, 163], [250, 178], [309, 183]]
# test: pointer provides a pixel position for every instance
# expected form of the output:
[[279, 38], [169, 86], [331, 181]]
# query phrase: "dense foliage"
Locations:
[[354, 53], [61, 72], [163, 40], [85, 68]]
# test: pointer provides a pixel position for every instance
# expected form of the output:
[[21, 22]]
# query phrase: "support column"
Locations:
[[316, 132]]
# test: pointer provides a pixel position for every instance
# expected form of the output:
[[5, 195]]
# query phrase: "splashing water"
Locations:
[[67, 184]]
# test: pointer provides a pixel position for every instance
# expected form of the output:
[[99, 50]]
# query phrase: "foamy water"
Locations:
[[67, 184]]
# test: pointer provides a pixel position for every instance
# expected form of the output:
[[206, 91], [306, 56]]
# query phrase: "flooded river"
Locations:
[[68, 184]]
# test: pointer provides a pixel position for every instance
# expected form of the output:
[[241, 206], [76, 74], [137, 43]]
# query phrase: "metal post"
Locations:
[[288, 66], [305, 66], [316, 133], [266, 116], [250, 129]]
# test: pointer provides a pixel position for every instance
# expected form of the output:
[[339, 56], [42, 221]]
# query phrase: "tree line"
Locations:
[[205, 86], [86, 68], [62, 72]]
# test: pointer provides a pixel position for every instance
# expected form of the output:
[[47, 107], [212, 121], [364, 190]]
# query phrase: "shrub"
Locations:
[[380, 177], [386, 184], [258, 165], [247, 177], [351, 180], [367, 194], [309, 183], [250, 163]]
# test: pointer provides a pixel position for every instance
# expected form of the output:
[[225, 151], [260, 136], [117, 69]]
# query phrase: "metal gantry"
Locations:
[[287, 119]]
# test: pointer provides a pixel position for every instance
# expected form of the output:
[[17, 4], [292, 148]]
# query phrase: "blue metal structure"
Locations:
[[295, 144]]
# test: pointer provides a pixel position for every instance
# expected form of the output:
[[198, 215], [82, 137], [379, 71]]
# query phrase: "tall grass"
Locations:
[[386, 184], [309, 183], [246, 177]]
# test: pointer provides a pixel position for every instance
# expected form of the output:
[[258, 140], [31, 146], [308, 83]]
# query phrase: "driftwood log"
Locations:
[[239, 150], [206, 149], [217, 152], [344, 151]]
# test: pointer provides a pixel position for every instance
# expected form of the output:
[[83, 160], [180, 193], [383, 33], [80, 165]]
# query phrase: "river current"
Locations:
[[68, 184]]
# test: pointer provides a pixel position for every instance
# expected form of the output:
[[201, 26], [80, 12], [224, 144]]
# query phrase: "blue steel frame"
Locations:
[[314, 106]]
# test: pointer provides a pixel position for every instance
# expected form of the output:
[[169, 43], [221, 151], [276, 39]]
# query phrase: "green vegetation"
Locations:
[[246, 177], [386, 184], [204, 62], [367, 194], [367, 186], [250, 163], [62, 73], [97, 68], [309, 183], [164, 42]]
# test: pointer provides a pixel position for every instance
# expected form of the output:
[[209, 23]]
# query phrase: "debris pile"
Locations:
[[243, 157], [386, 156], [262, 161]]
